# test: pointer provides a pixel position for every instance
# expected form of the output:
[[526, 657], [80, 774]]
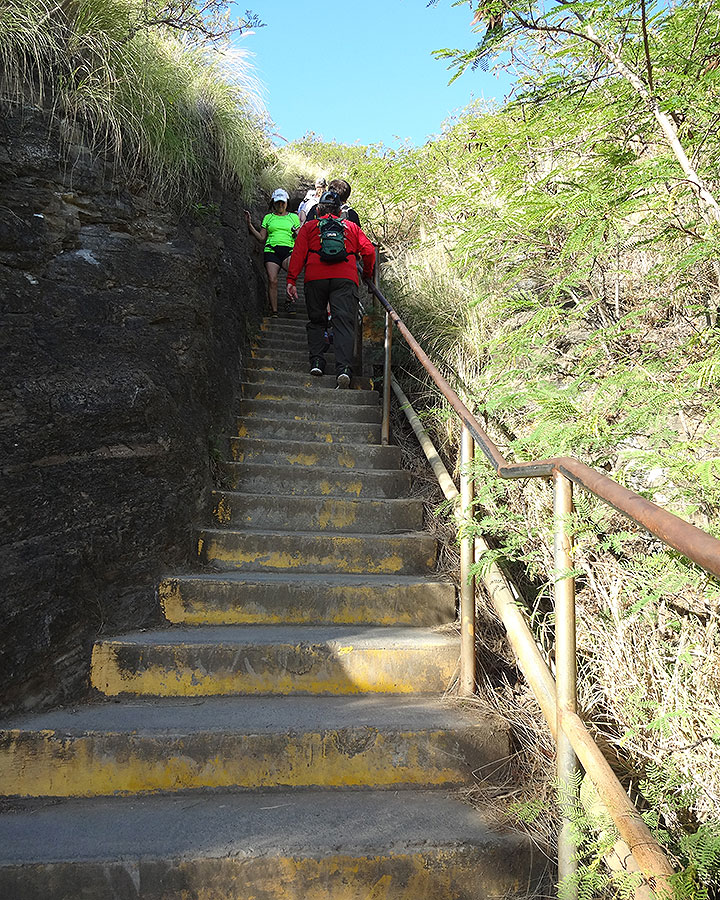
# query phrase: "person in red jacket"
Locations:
[[333, 283]]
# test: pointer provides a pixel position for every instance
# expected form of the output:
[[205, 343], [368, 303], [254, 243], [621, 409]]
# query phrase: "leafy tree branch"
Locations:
[[206, 22], [566, 25]]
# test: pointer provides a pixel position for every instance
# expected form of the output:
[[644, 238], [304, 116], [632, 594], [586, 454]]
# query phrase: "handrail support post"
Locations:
[[467, 558], [566, 674], [387, 375], [558, 701]]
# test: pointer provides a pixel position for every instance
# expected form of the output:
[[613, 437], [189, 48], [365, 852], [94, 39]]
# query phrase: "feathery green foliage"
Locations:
[[558, 268]]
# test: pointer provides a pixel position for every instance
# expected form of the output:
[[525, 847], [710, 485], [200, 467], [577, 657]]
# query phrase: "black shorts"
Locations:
[[277, 254]]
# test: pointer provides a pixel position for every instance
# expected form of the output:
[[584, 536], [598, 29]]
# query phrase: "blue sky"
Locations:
[[362, 72]]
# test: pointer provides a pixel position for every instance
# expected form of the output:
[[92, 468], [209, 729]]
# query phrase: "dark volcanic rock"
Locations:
[[123, 326]]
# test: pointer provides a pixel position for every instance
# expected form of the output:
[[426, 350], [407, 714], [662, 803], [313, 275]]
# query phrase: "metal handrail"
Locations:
[[637, 840], [574, 740], [693, 542]]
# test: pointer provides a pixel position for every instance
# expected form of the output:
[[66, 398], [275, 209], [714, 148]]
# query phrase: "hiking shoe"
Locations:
[[343, 379], [317, 367]]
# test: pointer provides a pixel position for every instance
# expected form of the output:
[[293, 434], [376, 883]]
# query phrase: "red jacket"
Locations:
[[308, 239]]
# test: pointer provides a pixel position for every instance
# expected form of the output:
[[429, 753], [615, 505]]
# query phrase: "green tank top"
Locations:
[[279, 230]]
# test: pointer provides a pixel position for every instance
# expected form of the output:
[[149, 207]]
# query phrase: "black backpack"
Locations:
[[332, 240]]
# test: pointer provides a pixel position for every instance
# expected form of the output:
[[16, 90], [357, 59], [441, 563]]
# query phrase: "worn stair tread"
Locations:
[[322, 393], [249, 424], [297, 823], [256, 715], [275, 660], [255, 375], [277, 597], [297, 447], [305, 481], [363, 401], [399, 553], [326, 535], [282, 342], [349, 456], [288, 511], [252, 496], [318, 579], [314, 409], [283, 324], [332, 636], [291, 330], [310, 430], [294, 356], [251, 744]]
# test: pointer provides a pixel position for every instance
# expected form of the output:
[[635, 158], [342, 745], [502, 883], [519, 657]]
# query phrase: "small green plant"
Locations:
[[206, 211]]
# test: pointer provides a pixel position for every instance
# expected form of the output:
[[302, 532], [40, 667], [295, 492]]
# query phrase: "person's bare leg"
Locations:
[[289, 303], [272, 271]]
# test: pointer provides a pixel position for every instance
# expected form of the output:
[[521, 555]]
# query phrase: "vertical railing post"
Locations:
[[376, 275], [467, 555], [357, 365], [387, 375], [566, 673]]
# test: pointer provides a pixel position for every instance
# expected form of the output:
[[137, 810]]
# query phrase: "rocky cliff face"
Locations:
[[123, 327]]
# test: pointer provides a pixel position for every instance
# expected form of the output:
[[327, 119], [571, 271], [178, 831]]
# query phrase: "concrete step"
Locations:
[[294, 332], [251, 743], [301, 845], [324, 456], [278, 512], [295, 357], [303, 481], [327, 432], [270, 598], [287, 343], [305, 389], [413, 553], [283, 325], [275, 363], [328, 408], [275, 659], [301, 377], [296, 325], [282, 342]]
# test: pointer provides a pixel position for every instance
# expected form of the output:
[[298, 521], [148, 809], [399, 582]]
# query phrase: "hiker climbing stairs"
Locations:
[[255, 746]]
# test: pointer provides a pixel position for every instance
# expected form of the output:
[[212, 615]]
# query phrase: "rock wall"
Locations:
[[123, 328]]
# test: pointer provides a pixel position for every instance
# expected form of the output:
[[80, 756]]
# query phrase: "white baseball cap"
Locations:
[[280, 194]]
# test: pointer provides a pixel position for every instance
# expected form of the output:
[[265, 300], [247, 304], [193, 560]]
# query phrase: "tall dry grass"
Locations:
[[180, 114], [648, 638]]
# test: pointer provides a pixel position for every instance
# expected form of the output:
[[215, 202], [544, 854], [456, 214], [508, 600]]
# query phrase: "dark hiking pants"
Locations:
[[343, 297]]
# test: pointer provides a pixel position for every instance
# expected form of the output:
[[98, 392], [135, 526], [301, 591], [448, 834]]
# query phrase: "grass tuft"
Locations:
[[181, 115]]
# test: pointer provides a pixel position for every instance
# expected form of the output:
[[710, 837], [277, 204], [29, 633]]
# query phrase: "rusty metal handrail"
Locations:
[[636, 839], [699, 546], [574, 741]]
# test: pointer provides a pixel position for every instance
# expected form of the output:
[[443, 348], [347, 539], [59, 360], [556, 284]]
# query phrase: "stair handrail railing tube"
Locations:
[[574, 740], [636, 838], [694, 543]]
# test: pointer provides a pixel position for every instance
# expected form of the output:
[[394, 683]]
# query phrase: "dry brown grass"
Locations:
[[525, 796]]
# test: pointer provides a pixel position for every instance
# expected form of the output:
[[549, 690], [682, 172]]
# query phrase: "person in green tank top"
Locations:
[[277, 233]]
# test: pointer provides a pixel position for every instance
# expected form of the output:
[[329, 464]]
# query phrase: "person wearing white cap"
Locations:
[[277, 233]]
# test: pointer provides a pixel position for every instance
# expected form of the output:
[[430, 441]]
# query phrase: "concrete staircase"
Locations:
[[285, 735]]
